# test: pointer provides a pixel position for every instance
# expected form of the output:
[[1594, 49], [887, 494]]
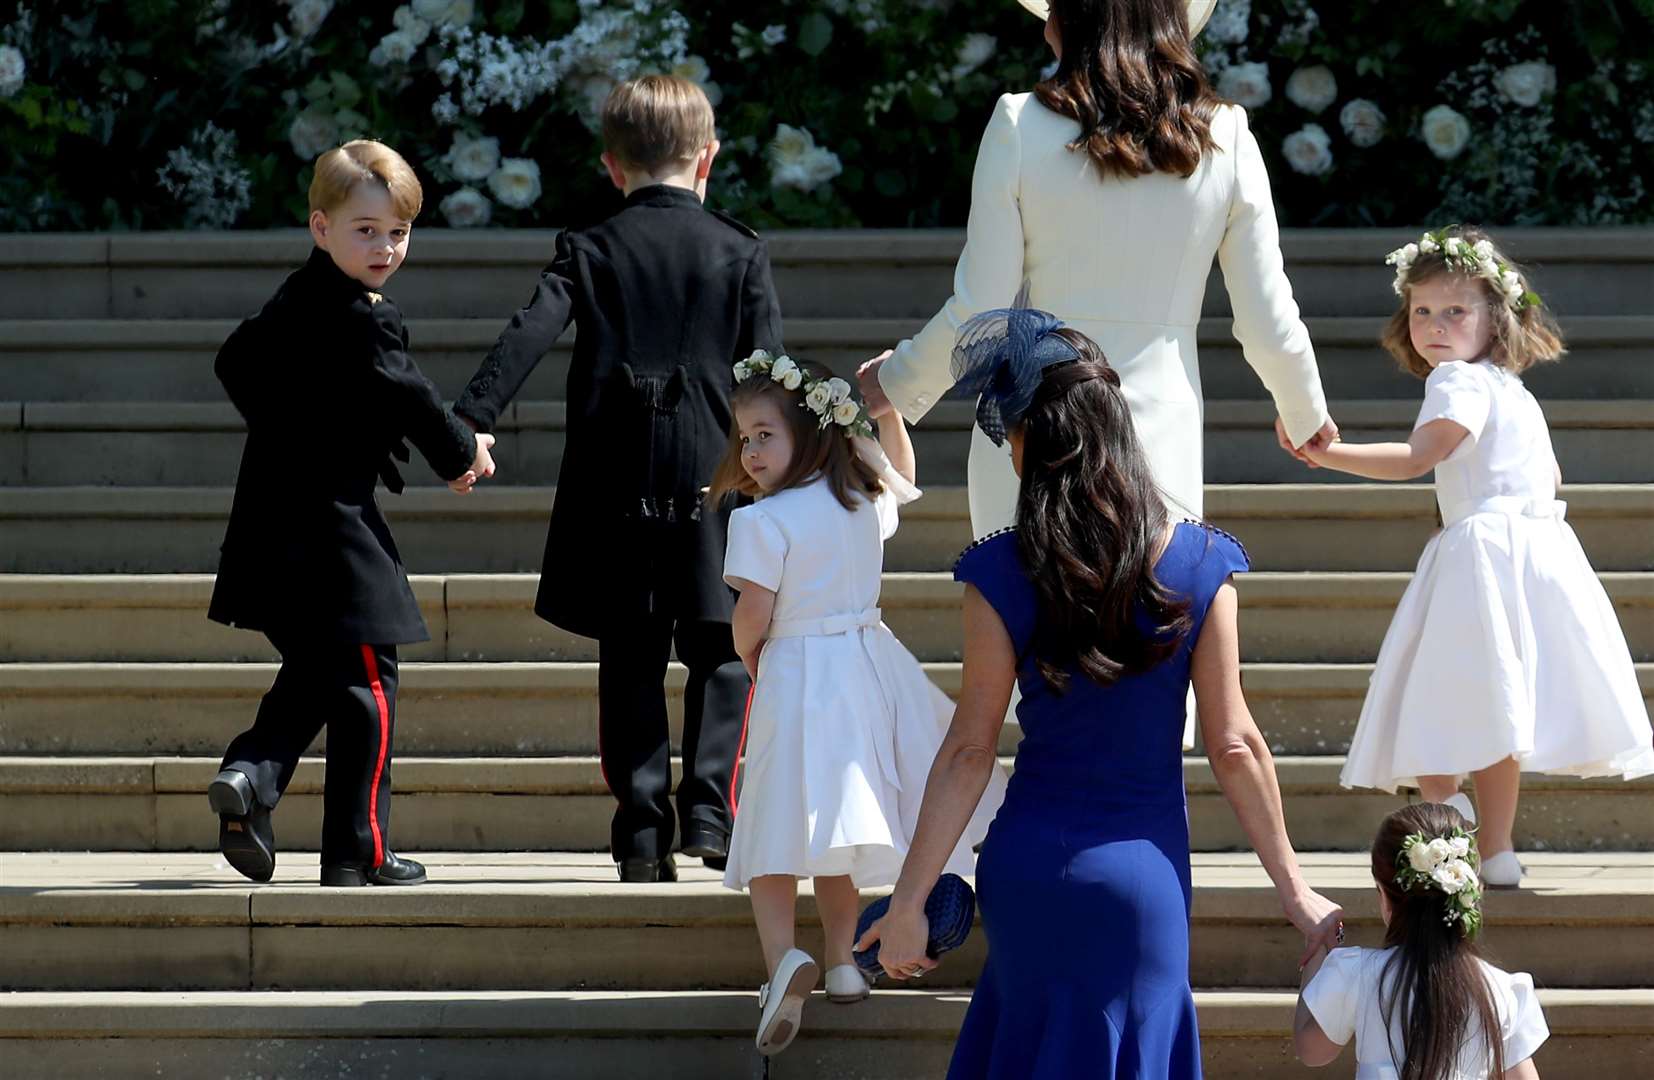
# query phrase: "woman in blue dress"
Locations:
[[1102, 613]]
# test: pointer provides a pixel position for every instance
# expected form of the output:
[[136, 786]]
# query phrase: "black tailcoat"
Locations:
[[667, 296], [323, 378]]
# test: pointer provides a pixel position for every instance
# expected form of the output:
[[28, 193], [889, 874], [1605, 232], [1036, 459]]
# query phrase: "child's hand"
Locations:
[[482, 467], [462, 485]]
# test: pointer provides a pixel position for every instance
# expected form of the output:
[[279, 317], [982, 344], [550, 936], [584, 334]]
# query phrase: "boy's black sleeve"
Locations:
[[237, 369], [760, 310], [419, 414], [529, 336]]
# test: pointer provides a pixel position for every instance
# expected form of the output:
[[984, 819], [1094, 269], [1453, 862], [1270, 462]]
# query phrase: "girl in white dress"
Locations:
[[1426, 1006], [843, 725], [1504, 653]]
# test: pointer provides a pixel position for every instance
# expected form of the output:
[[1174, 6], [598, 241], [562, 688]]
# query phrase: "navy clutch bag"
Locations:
[[951, 909]]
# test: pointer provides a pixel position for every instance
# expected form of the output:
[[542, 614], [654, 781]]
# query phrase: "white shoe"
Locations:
[[1503, 871], [782, 1000], [1461, 802], [846, 985]]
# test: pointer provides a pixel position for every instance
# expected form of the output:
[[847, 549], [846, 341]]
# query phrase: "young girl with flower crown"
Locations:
[[1425, 1006], [843, 723], [1504, 653]]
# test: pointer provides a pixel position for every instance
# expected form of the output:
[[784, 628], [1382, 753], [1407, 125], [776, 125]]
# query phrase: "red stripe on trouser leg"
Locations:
[[372, 665], [740, 748]]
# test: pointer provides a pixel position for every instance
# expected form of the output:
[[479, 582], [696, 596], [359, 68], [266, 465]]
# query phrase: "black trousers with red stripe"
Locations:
[[634, 744], [351, 691]]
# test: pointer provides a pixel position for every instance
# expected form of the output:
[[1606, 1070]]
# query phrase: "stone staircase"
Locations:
[[131, 949]]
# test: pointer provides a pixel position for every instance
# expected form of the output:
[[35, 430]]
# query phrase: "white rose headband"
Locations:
[[1447, 864], [829, 399], [1476, 260]]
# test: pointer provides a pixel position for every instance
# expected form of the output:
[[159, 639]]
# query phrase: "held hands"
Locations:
[[482, 467], [867, 380], [1317, 442], [1320, 921], [902, 936]]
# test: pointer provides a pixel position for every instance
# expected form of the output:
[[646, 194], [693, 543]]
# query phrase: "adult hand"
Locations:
[[867, 379], [1319, 441], [902, 937], [1320, 921]]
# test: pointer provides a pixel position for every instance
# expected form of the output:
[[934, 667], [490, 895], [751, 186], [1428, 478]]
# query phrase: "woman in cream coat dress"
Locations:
[[1125, 261]]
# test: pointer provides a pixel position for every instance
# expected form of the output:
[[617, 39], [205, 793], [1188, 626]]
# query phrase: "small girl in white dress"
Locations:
[[1504, 654], [1424, 864], [843, 725]]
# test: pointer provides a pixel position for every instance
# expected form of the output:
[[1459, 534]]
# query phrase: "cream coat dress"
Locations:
[[1126, 263]]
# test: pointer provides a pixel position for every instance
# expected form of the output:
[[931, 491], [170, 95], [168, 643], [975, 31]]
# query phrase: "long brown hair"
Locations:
[[1089, 524], [1130, 78], [817, 450], [1521, 339], [1435, 973]]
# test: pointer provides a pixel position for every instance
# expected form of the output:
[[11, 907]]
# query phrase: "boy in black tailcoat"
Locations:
[[323, 378], [667, 296]]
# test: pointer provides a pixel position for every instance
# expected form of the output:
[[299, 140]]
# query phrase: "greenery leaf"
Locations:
[[815, 33]]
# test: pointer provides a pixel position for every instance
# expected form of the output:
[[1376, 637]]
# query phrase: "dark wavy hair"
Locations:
[[1129, 76], [1434, 974], [1090, 522]]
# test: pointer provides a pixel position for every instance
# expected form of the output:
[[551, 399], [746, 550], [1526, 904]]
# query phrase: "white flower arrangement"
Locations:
[[1308, 150], [473, 158], [1247, 85], [1475, 260], [797, 162], [207, 178], [1526, 84], [1312, 88], [829, 399], [466, 208], [1448, 865], [1445, 131], [13, 71], [516, 183], [1363, 122]]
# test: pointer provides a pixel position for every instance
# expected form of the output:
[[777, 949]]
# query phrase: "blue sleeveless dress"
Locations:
[[1083, 881]]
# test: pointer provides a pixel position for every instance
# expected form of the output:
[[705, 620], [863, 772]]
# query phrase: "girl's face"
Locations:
[[766, 440], [1449, 319]]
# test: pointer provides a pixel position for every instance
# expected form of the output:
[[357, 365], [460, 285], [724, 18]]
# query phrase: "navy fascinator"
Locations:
[[1001, 356]]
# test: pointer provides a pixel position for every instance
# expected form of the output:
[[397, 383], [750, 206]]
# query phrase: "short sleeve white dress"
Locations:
[[843, 725], [1505, 643], [1344, 998]]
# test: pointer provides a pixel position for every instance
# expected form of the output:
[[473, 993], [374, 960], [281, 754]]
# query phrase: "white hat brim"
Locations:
[[1199, 12]]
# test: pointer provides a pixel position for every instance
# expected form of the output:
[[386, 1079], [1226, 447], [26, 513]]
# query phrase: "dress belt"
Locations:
[[1510, 505], [832, 624]]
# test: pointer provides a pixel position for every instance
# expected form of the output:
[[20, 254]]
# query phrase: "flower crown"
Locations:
[[1447, 863], [829, 399], [1476, 260]]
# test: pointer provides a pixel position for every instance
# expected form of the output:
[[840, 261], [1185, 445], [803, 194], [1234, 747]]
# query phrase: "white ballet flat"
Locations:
[[1461, 802], [846, 985], [1503, 871], [782, 1001]]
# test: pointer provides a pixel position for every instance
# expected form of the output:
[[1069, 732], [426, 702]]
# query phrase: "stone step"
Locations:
[[669, 1035], [61, 360], [562, 804], [501, 710], [77, 530], [494, 921], [1285, 617], [883, 272], [173, 444]]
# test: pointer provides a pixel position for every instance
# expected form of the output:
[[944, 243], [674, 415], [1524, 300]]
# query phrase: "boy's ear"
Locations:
[[318, 228], [617, 174], [703, 164]]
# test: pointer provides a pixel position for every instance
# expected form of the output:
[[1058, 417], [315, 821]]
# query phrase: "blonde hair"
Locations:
[[818, 450], [657, 120], [1521, 339], [339, 171]]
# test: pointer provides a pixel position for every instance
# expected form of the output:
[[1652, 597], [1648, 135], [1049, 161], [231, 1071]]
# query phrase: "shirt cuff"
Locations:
[[904, 387]]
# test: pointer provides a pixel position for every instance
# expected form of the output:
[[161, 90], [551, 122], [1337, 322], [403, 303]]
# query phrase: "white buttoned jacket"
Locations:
[[1126, 263]]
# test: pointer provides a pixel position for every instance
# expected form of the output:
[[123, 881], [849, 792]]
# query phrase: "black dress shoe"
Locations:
[[395, 870], [640, 869], [704, 841], [245, 836]]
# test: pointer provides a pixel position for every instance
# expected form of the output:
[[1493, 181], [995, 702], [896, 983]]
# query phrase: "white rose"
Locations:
[[1428, 245], [793, 379], [306, 16], [1246, 85], [473, 159], [1454, 247], [1445, 132], [1459, 846], [819, 398], [1439, 851], [974, 51], [1483, 249], [845, 413], [1312, 88], [312, 132], [1363, 122], [1452, 877], [466, 208], [1418, 857], [416, 28], [782, 367], [396, 47], [761, 354], [1308, 150], [839, 390], [741, 371], [12, 71], [1526, 84], [516, 183], [820, 166], [1229, 22]]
